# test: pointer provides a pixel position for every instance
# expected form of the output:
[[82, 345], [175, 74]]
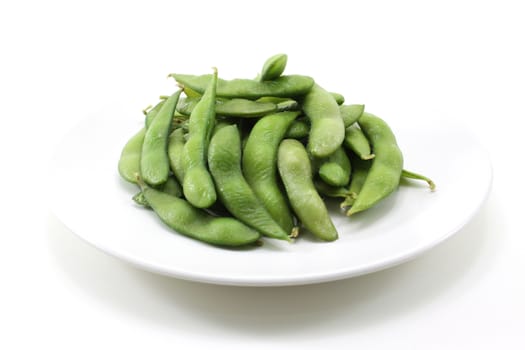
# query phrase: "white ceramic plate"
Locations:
[[90, 198]]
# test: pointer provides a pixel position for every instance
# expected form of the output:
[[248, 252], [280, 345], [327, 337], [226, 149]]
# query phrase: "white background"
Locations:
[[62, 60]]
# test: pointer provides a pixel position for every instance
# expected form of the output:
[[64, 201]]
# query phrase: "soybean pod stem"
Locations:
[[412, 175]]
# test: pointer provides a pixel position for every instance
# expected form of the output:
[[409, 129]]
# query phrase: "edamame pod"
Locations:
[[273, 67], [184, 218], [335, 169], [356, 141], [236, 107], [296, 173], [327, 130], [385, 171], [284, 86], [197, 184], [360, 170], [259, 165], [351, 113], [175, 148], [154, 162], [150, 114], [224, 160], [298, 129], [129, 162]]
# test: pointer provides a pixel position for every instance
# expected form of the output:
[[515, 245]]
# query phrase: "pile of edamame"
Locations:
[[229, 162]]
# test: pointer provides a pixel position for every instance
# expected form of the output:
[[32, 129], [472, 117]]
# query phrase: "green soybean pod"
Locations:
[[175, 149], [351, 113], [327, 130], [244, 108], [360, 170], [154, 162], [296, 173], [235, 107], [284, 86], [298, 129], [385, 171], [197, 184], [224, 160], [356, 141], [259, 165], [184, 218], [129, 162], [273, 67], [335, 169], [150, 114]]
